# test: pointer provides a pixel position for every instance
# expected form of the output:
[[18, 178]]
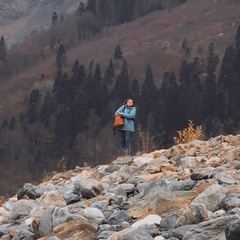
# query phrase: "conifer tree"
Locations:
[[126, 12], [185, 78], [62, 131], [33, 105], [168, 104], [237, 49], [81, 8], [227, 69], [63, 93], [12, 124], [147, 100], [75, 76], [57, 81], [103, 9], [118, 52], [209, 91], [212, 59], [3, 50], [91, 6], [4, 123], [46, 110], [184, 44], [109, 74], [54, 17], [78, 77], [4, 69], [122, 84], [135, 91], [61, 57]]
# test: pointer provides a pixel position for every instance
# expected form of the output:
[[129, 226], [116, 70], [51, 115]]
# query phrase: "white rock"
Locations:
[[149, 220]]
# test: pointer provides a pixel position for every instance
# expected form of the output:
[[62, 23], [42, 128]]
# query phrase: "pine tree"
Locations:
[[237, 49], [209, 90], [109, 74], [3, 50], [168, 104], [46, 110], [135, 91], [126, 12], [212, 59], [54, 17], [122, 84], [33, 105], [97, 75], [118, 52], [57, 81], [12, 124], [91, 6], [78, 77], [184, 44], [63, 93], [103, 9], [147, 100], [185, 78], [227, 68], [81, 8], [4, 68], [4, 124], [61, 57], [237, 38]]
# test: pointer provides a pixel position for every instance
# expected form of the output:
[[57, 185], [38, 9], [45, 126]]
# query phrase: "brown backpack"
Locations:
[[118, 122]]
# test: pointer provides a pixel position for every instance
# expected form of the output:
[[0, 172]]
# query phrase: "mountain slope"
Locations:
[[19, 17], [155, 39]]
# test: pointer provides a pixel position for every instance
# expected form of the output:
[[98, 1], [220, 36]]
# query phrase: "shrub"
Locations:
[[188, 134]]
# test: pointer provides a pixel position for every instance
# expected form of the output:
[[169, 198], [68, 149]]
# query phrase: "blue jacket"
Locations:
[[129, 114]]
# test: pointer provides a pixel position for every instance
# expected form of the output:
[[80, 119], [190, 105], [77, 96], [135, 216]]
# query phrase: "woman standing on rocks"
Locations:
[[128, 112]]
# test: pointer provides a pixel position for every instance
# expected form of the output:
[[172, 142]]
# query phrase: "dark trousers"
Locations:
[[125, 138]]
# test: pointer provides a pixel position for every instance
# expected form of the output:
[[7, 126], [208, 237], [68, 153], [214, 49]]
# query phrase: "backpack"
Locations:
[[118, 122]]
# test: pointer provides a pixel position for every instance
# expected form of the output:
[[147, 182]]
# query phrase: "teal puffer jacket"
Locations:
[[128, 114]]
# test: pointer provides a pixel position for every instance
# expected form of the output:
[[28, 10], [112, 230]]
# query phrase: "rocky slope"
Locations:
[[19, 17], [187, 192]]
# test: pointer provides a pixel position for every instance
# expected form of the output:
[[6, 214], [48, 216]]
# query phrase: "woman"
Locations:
[[128, 111]]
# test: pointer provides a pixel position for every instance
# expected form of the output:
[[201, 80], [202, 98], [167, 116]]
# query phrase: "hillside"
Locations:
[[155, 39], [189, 191], [18, 18]]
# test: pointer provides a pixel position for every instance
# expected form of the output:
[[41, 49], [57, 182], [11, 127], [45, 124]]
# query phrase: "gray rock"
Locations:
[[201, 173], [118, 217], [213, 229], [230, 201], [52, 217], [168, 222], [105, 235], [180, 232], [232, 230], [184, 185], [211, 197], [237, 166], [26, 235], [29, 190], [135, 234]]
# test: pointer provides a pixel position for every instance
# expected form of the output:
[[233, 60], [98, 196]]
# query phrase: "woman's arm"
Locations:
[[130, 114], [120, 110]]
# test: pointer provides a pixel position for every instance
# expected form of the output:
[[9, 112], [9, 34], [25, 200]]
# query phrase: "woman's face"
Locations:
[[129, 102]]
